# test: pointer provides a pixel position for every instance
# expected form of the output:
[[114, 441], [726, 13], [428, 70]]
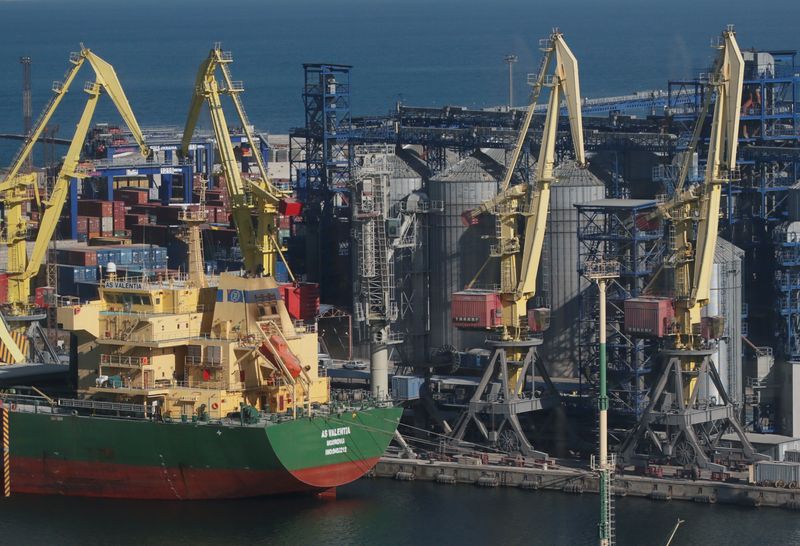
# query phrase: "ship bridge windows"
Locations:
[[128, 298]]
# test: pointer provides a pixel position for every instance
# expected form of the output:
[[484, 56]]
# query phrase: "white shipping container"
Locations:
[[107, 225], [776, 471]]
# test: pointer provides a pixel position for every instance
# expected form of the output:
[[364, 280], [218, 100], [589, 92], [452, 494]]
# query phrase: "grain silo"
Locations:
[[726, 301], [560, 284], [458, 251]]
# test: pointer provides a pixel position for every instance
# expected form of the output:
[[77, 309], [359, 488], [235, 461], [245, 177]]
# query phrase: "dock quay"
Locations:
[[579, 481]]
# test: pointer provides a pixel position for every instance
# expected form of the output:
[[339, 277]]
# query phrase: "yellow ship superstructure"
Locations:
[[192, 347]]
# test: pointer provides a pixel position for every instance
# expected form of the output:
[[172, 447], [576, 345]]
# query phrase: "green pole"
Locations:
[[605, 524]]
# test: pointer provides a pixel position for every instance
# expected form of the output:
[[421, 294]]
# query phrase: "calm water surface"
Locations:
[[387, 512]]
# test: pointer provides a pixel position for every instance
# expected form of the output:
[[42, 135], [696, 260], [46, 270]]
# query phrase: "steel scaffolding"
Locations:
[[621, 231]]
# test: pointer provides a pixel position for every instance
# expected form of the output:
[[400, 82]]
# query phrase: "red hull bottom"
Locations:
[[76, 478]]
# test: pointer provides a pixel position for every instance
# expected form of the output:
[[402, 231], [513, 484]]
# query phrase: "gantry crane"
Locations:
[[678, 423], [514, 348], [15, 189], [257, 235]]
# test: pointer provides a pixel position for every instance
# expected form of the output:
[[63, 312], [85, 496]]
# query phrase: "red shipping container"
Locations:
[[132, 196], [93, 224], [649, 316], [476, 309], [290, 207], [3, 287], [134, 219], [93, 207], [302, 300], [82, 223], [77, 256]]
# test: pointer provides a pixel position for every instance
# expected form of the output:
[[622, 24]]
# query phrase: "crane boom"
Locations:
[[107, 77], [519, 264], [566, 81], [694, 262], [257, 238], [21, 268], [721, 161]]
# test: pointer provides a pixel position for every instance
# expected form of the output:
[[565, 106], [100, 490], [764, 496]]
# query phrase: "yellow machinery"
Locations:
[[15, 189], [257, 235], [519, 271], [682, 426], [514, 350]]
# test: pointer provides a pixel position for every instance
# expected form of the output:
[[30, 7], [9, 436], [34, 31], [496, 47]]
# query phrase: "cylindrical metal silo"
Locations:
[[457, 252], [725, 300], [403, 180], [560, 284], [410, 261]]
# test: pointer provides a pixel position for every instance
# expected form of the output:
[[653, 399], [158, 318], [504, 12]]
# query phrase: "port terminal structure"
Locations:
[[757, 208]]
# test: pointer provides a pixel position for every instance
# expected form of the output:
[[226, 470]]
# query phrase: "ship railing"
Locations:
[[302, 326], [200, 384], [123, 361], [39, 404], [144, 282], [97, 405], [201, 362], [26, 403]]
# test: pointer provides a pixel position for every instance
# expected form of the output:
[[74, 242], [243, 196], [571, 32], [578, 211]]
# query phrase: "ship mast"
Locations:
[[192, 220]]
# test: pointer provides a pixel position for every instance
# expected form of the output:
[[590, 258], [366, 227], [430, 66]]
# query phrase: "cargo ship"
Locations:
[[191, 387]]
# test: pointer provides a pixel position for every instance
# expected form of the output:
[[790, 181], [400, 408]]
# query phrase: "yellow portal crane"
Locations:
[[519, 270], [683, 425], [702, 204], [496, 416], [15, 188], [257, 236]]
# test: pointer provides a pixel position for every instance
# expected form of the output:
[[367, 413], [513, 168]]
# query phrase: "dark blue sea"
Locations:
[[421, 52]]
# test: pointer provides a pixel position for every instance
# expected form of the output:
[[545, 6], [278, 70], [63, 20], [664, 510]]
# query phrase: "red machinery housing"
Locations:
[[649, 316], [476, 309]]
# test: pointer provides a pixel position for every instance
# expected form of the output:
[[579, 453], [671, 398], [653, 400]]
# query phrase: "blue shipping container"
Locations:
[[406, 387], [281, 272]]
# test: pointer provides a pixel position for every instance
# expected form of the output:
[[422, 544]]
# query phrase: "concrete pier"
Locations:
[[571, 480]]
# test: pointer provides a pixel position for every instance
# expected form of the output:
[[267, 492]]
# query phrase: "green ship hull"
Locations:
[[67, 454]]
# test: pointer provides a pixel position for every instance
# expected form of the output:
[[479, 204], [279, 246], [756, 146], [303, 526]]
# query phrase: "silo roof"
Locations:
[[471, 169], [569, 174], [725, 251]]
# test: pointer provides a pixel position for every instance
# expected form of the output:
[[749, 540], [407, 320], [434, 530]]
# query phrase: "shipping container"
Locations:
[[302, 300], [281, 272], [132, 196], [649, 316], [107, 226], [135, 219], [77, 273], [792, 456], [406, 387], [476, 309], [76, 256], [82, 224], [776, 472], [95, 207]]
